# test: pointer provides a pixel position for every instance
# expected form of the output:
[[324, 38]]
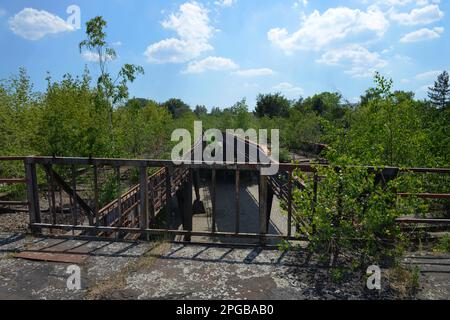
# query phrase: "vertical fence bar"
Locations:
[[74, 192], [213, 201], [289, 218], [49, 194], [96, 204], [152, 199], [187, 205], [143, 214], [314, 202], [52, 194], [119, 200], [169, 190], [237, 227], [32, 193], [61, 201], [136, 213], [262, 207]]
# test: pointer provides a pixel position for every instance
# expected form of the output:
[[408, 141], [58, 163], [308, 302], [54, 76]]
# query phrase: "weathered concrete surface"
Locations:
[[435, 274], [118, 270], [211, 272], [25, 279]]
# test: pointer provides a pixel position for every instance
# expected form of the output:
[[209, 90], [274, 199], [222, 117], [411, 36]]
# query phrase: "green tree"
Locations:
[[20, 114], [143, 131], [112, 89], [439, 94], [387, 130], [200, 110], [327, 104], [272, 105], [176, 107], [301, 128], [72, 124], [242, 118]]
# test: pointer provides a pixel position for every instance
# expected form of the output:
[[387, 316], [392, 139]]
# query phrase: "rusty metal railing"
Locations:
[[134, 211]]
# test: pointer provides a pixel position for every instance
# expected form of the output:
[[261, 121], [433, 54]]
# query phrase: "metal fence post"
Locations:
[[143, 217], [262, 207], [187, 205], [32, 193]]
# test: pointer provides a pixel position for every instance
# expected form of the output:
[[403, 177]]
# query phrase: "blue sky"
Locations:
[[217, 52]]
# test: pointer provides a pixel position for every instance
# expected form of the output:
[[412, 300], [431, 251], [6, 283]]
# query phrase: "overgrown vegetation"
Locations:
[[353, 210]]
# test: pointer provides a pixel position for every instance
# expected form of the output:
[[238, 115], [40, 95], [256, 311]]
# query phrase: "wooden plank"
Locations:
[[52, 257]]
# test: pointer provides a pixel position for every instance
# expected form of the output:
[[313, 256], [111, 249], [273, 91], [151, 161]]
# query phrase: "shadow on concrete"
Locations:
[[95, 248]]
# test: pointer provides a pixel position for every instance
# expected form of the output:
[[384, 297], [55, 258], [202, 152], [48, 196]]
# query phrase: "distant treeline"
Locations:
[[385, 127]]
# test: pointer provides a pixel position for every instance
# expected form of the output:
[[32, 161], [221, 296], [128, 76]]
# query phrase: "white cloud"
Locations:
[[360, 61], [286, 87], [191, 23], [300, 3], [255, 72], [425, 15], [210, 64], [93, 56], [35, 24], [400, 3], [225, 3], [428, 75], [319, 31], [422, 34]]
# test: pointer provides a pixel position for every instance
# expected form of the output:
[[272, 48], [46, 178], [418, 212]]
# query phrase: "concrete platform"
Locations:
[[119, 270]]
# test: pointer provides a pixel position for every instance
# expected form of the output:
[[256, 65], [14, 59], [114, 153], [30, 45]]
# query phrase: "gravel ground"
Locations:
[[14, 222]]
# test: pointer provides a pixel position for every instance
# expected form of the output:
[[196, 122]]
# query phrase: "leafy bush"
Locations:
[[353, 210]]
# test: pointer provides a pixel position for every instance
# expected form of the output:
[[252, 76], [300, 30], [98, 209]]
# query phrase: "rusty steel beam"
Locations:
[[165, 231], [69, 191], [422, 221], [13, 203], [425, 195], [205, 165], [13, 181]]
